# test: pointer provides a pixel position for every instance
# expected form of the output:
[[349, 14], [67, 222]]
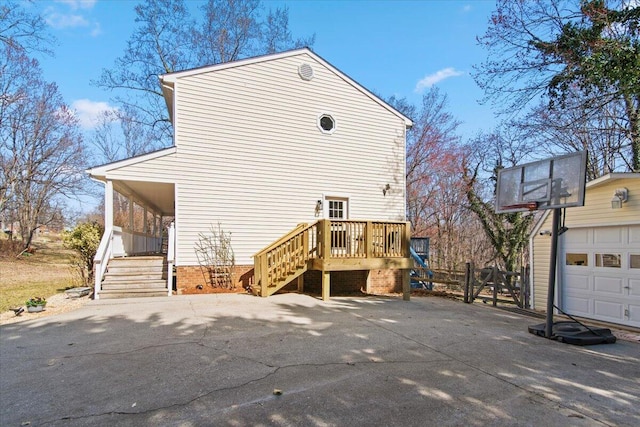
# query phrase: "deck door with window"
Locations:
[[337, 210]]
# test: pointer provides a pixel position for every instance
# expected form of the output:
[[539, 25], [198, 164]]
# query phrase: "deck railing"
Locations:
[[328, 240], [128, 242], [285, 259]]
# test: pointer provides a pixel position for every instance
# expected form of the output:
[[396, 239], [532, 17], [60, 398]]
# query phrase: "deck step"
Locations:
[[127, 277], [119, 269], [156, 284], [138, 260], [133, 293], [136, 276]]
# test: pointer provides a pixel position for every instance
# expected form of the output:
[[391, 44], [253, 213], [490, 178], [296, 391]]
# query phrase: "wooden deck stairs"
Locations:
[[137, 276], [283, 261], [331, 245]]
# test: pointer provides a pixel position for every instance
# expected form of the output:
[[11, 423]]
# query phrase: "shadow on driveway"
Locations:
[[294, 360]]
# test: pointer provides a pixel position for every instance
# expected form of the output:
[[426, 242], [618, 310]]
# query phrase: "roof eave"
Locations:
[[100, 172]]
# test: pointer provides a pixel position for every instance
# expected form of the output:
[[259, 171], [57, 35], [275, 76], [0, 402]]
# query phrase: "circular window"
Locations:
[[326, 123]]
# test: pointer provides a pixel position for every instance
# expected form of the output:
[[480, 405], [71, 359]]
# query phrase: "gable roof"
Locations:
[[167, 81]]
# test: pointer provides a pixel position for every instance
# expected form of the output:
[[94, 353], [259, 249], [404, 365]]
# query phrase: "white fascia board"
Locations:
[[538, 225], [173, 77], [170, 78], [168, 90], [102, 170], [612, 177]]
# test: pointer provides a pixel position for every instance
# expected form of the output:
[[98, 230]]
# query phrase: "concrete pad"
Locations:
[[217, 359]]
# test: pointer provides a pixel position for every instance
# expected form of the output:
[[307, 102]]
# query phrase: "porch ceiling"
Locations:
[[159, 195]]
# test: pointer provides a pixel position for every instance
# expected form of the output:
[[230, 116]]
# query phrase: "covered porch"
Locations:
[[138, 224]]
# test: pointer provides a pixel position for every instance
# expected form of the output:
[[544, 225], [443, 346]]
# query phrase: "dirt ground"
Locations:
[[56, 304]]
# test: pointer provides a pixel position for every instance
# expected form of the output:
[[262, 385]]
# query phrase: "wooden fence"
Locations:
[[488, 283]]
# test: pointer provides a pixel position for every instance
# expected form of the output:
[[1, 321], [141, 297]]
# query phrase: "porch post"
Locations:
[[145, 229], [108, 204], [130, 213], [369, 240], [325, 226], [406, 285], [326, 285], [406, 273], [171, 256]]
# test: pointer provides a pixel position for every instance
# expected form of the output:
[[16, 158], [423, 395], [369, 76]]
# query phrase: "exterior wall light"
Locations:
[[619, 197]]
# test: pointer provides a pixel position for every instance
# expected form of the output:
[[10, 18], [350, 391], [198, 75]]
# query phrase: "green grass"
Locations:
[[46, 272]]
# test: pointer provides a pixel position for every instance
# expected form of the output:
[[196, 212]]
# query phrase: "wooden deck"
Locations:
[[332, 245]]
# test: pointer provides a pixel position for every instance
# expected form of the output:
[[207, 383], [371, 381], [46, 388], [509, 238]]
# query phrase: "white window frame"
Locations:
[[335, 123], [335, 198]]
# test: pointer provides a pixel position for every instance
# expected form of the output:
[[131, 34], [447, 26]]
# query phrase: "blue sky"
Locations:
[[396, 48]]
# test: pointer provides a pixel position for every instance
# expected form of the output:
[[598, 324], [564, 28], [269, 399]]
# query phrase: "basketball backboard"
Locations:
[[557, 182]]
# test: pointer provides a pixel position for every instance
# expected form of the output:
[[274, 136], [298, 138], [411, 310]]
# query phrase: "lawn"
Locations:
[[46, 272]]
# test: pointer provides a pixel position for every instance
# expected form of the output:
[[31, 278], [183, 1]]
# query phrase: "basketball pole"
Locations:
[[553, 262]]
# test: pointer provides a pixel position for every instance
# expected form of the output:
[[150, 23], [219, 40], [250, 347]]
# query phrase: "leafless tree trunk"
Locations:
[[41, 148]]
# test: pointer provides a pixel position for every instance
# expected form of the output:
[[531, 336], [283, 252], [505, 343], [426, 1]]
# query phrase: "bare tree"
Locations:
[[21, 35], [169, 39], [570, 129], [41, 150], [507, 233], [22, 31], [567, 50], [429, 145], [437, 205], [119, 135]]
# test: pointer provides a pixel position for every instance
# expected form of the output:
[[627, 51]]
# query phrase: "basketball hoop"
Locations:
[[552, 183]]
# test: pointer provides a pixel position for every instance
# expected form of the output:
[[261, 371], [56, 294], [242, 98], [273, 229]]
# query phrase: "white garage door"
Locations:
[[600, 274]]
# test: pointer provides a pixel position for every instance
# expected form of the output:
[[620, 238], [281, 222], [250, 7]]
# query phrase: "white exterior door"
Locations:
[[600, 274]]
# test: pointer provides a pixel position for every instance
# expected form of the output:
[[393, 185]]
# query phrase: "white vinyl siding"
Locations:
[[253, 159], [541, 256], [597, 209], [161, 169]]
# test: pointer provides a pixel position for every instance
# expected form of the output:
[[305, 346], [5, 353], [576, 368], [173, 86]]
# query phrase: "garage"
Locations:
[[600, 274]]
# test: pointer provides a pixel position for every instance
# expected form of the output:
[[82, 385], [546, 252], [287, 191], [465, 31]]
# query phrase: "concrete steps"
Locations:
[[138, 276]]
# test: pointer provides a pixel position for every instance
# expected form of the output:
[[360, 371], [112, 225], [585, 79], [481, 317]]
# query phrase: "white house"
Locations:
[[262, 145], [598, 274]]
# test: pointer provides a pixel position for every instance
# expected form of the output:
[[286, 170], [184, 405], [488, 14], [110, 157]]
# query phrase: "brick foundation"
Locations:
[[384, 281], [189, 279], [359, 281]]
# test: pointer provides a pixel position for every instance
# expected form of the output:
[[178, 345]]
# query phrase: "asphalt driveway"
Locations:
[[293, 360]]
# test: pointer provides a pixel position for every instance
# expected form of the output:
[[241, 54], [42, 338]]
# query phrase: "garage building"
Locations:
[[598, 273]]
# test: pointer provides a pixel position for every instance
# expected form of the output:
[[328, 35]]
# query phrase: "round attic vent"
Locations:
[[305, 71]]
